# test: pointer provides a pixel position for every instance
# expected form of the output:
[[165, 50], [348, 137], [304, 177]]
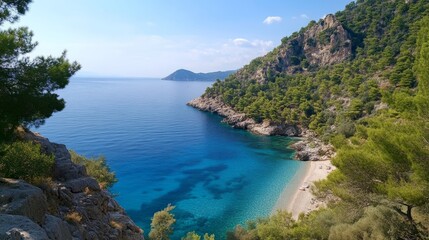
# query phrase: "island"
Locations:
[[186, 75]]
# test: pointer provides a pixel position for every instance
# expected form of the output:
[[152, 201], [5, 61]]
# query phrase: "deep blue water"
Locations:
[[163, 151]]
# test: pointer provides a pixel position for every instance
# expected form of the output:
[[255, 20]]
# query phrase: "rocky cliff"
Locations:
[[71, 206], [308, 147], [320, 44], [240, 120]]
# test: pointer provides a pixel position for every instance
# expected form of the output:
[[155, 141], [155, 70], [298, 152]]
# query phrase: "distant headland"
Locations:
[[186, 75]]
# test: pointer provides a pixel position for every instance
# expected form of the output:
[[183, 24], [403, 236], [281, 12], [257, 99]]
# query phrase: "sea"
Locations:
[[165, 152]]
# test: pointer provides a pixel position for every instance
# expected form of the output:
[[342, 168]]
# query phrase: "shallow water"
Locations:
[[163, 151]]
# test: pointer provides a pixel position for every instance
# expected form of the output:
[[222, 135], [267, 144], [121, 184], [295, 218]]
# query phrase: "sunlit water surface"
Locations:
[[163, 152]]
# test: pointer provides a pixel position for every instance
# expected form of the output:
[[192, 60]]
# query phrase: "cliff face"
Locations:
[[240, 120], [309, 148], [72, 206], [324, 43], [320, 44]]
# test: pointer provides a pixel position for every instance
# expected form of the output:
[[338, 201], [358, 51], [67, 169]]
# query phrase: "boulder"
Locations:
[[14, 227], [56, 229], [80, 184], [20, 198]]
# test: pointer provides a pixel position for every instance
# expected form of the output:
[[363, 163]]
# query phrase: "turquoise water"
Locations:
[[163, 151]]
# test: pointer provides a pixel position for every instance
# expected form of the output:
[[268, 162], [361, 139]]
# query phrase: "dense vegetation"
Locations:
[[330, 99], [24, 160], [96, 168], [162, 226], [27, 98], [27, 85], [373, 108], [27, 95]]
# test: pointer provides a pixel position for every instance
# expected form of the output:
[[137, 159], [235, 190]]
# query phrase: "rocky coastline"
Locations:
[[308, 147], [70, 206]]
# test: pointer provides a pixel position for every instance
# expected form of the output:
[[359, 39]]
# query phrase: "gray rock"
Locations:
[[241, 121], [64, 168], [80, 184], [310, 148], [56, 229], [325, 43], [20, 198], [74, 192], [127, 228], [20, 227]]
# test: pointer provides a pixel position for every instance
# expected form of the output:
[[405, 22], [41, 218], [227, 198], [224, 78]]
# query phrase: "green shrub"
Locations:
[[346, 128], [162, 224], [24, 160], [97, 168]]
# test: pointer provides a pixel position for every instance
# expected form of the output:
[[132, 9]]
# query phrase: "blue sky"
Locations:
[[152, 38]]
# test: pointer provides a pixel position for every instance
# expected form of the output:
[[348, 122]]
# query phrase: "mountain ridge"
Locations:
[[187, 75]]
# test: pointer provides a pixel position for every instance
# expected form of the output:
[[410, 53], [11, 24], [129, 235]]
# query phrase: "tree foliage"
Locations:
[[162, 224], [24, 160], [97, 168], [195, 236], [381, 70], [27, 86], [373, 109]]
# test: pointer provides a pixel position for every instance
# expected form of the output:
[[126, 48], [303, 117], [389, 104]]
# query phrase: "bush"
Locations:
[[162, 224], [97, 168], [24, 160]]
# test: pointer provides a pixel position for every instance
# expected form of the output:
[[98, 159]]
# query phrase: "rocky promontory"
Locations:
[[240, 120], [308, 148], [70, 206]]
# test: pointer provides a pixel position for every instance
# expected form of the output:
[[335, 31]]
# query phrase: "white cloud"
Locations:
[[240, 41], [156, 55], [304, 16], [272, 19]]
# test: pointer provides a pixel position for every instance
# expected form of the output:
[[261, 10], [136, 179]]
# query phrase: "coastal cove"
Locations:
[[163, 151]]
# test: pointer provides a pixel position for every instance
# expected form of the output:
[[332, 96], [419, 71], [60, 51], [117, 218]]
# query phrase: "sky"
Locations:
[[153, 38]]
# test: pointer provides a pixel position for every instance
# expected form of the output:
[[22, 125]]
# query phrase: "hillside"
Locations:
[[69, 205], [186, 75], [332, 72], [356, 80]]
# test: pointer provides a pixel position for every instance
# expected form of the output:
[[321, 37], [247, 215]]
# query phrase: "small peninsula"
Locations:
[[186, 75]]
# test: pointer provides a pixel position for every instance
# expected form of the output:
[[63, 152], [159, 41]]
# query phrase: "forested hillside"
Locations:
[[371, 101], [329, 96]]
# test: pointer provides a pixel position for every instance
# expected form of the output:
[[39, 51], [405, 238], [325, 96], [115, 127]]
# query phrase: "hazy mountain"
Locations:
[[186, 75]]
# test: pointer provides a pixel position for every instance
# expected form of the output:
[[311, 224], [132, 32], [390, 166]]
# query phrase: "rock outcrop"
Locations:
[[321, 44], [311, 148], [308, 148], [71, 206], [240, 120]]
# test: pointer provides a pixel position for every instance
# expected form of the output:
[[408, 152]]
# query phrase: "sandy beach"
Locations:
[[296, 196]]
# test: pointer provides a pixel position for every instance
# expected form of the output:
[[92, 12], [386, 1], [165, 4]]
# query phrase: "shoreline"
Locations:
[[296, 196]]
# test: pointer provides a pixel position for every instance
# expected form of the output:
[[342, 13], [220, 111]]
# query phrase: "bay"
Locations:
[[164, 152]]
